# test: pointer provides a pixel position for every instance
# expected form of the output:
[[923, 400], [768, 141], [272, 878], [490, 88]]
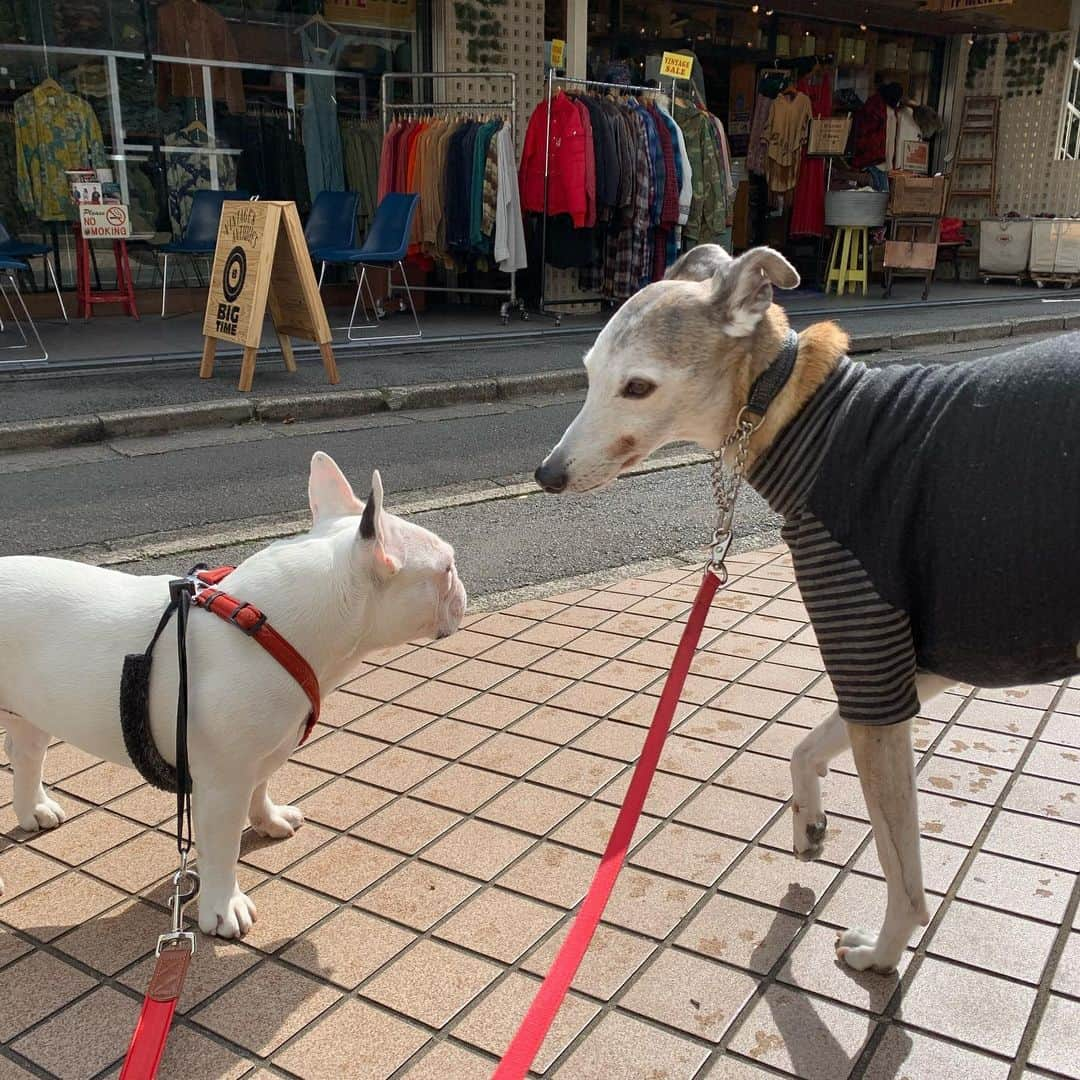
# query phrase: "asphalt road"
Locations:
[[228, 491]]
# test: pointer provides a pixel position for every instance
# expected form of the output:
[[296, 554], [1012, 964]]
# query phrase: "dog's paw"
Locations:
[[808, 836], [859, 950], [46, 813], [232, 918], [279, 822]]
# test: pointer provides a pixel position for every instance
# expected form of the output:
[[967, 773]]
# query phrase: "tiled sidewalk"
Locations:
[[457, 797]]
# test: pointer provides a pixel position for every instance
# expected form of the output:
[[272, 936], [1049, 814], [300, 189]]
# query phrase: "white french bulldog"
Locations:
[[334, 594]]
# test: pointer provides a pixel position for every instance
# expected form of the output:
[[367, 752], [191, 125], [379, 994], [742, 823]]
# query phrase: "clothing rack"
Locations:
[[387, 107], [553, 78]]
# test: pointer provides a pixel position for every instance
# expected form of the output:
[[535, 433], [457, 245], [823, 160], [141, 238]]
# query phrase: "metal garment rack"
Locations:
[[553, 78], [388, 108]]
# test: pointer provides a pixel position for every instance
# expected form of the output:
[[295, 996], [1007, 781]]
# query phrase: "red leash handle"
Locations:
[[148, 1042], [522, 1051]]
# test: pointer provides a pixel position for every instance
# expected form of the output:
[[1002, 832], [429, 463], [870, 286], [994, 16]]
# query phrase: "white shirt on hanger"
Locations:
[[509, 230]]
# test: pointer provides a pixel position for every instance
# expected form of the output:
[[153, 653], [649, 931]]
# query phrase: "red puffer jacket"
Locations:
[[566, 169]]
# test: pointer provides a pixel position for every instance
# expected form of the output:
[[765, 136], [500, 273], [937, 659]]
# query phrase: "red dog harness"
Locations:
[[175, 949], [253, 622]]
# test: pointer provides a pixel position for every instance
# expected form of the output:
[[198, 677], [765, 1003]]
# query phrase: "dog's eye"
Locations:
[[638, 388]]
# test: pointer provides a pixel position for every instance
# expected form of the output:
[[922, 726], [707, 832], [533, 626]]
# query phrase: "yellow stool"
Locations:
[[849, 263]]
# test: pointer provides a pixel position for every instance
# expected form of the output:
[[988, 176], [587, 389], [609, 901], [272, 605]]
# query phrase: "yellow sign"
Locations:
[[676, 66], [262, 259], [558, 53]]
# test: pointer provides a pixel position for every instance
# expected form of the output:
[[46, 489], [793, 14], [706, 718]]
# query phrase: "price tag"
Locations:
[[558, 52]]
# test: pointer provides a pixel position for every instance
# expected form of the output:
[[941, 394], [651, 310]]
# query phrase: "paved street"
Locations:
[[218, 494]]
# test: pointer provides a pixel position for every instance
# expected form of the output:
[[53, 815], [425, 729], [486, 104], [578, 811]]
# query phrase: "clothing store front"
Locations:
[[819, 102], [765, 74], [164, 98]]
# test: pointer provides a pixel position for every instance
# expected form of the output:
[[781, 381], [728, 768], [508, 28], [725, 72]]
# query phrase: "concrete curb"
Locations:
[[53, 432]]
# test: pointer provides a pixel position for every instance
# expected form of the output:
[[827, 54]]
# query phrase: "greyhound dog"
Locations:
[[932, 514], [360, 580]]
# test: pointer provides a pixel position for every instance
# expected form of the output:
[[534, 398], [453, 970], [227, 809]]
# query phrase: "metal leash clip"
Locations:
[[185, 889]]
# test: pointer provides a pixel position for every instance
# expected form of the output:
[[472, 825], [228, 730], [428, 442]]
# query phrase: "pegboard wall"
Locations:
[[522, 52], [1030, 179]]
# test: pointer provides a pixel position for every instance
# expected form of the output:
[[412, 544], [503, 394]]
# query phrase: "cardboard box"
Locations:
[[923, 195]]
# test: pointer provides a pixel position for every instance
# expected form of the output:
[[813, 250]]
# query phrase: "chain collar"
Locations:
[[725, 483], [725, 487]]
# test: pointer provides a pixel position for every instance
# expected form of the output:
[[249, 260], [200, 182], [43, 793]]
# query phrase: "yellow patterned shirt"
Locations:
[[54, 131]]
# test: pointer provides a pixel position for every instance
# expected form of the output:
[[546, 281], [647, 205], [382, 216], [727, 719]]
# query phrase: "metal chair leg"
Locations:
[[164, 282], [408, 293], [26, 315], [56, 285], [360, 274], [376, 312], [322, 273], [360, 281]]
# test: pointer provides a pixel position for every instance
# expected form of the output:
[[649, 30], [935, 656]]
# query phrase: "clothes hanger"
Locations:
[[318, 20]]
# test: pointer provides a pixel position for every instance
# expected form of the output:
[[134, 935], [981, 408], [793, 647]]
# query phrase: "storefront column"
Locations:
[[577, 34]]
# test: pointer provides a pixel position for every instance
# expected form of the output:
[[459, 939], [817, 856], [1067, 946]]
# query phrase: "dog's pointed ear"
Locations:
[[699, 263], [743, 290], [330, 495], [374, 532]]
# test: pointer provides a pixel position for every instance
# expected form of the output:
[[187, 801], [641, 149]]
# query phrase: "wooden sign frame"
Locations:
[[262, 259], [828, 136]]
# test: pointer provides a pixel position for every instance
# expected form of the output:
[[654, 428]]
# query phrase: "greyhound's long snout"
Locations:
[[551, 476]]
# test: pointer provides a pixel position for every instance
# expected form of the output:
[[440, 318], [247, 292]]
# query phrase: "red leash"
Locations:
[[148, 1043], [519, 1056]]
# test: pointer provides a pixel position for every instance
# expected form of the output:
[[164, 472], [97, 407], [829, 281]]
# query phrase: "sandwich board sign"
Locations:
[[261, 260]]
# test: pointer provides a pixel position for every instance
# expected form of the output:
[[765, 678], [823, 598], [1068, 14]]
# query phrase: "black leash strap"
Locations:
[[135, 699], [181, 592]]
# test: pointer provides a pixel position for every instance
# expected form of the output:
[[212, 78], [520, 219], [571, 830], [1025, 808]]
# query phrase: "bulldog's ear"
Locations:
[[373, 531], [699, 263], [743, 290], [330, 495]]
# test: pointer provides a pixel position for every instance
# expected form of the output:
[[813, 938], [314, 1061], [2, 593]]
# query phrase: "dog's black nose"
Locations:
[[552, 480]]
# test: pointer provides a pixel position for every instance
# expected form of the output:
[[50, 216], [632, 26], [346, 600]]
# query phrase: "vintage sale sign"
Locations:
[[676, 66]]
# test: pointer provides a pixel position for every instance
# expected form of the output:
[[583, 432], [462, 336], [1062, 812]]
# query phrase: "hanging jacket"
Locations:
[[871, 129], [566, 170], [54, 131], [708, 210]]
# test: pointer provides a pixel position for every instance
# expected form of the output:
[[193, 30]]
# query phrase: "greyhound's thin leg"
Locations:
[[810, 762], [26, 746], [887, 773]]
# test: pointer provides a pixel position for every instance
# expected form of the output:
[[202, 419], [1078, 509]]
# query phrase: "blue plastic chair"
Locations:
[[386, 245], [17, 249], [200, 235], [9, 267], [331, 224]]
